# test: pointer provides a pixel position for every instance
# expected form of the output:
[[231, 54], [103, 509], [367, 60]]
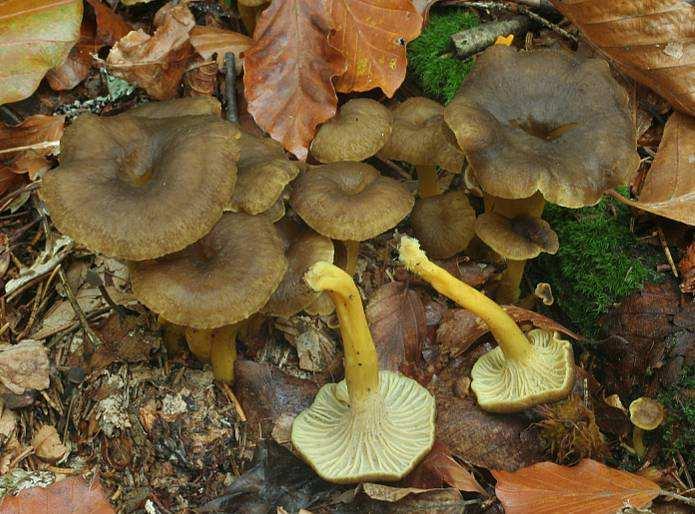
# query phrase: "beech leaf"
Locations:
[[75, 68], [669, 188], [34, 37], [110, 26], [208, 41], [288, 72], [372, 35], [588, 488], [651, 41]]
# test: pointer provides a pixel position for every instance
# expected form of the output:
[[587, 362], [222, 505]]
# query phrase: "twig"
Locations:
[[667, 251], [93, 338], [471, 41], [93, 279], [230, 87], [678, 497], [235, 401], [13, 118]]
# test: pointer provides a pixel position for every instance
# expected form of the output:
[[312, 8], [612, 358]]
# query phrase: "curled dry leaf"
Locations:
[[75, 68], [652, 41], [110, 26], [440, 468], [372, 35], [47, 444], [288, 72], [157, 62], [687, 268], [209, 41], [669, 187], [35, 37], [588, 488], [24, 366]]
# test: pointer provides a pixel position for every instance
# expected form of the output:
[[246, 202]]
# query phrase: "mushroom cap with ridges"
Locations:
[[646, 413], [569, 136], [419, 136], [222, 279], [383, 441], [521, 238], [444, 224], [293, 294], [358, 131], [189, 106], [505, 385], [349, 201], [139, 188]]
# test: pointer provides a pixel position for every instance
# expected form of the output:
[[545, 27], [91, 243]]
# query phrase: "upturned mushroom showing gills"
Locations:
[[525, 369], [373, 425], [349, 202], [144, 184]]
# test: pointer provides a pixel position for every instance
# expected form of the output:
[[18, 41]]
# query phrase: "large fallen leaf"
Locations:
[[588, 488], [156, 63], [652, 40], [209, 41], [110, 26], [75, 68], [34, 37], [669, 188], [74, 495], [288, 72], [24, 147], [372, 35]]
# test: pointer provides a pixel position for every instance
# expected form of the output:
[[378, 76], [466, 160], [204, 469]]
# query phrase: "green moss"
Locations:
[[599, 262], [430, 56], [678, 431]]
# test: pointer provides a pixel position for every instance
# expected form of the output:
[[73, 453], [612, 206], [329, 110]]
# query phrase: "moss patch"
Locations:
[[599, 262], [430, 56], [678, 432]]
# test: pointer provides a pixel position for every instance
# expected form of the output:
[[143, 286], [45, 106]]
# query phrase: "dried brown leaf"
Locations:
[[687, 268], [588, 488], [47, 444], [110, 26], [651, 40], [440, 468], [24, 366], [288, 72], [34, 37], [209, 41], [23, 148], [75, 68], [157, 62], [372, 35]]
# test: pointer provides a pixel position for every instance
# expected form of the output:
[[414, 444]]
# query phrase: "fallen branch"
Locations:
[[471, 41], [230, 87]]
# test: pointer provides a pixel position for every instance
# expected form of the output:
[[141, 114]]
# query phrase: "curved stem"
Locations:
[[509, 336], [638, 443], [361, 363], [427, 175], [352, 252], [509, 288]]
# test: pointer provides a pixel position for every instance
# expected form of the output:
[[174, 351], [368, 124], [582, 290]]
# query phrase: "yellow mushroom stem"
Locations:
[[508, 289], [352, 252], [509, 336], [361, 363], [638, 443], [217, 346], [427, 175]]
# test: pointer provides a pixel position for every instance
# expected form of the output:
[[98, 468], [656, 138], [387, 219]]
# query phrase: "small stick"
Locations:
[[471, 41], [678, 497], [93, 279], [94, 339], [235, 401], [667, 251], [230, 87], [13, 118]]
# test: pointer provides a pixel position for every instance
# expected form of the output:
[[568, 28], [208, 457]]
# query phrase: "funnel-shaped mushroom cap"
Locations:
[[568, 136], [264, 171], [293, 294], [521, 238], [357, 132], [507, 385], [444, 224], [189, 106], [383, 441], [646, 413], [420, 136], [349, 201], [139, 188], [224, 278]]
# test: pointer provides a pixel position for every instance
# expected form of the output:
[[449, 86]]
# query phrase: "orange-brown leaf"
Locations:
[[76, 66], [23, 148], [588, 488], [208, 41], [73, 495], [651, 40], [669, 188], [288, 72], [34, 37], [440, 468], [372, 35], [110, 26]]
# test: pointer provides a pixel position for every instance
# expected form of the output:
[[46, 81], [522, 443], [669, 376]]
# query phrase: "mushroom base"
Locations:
[[383, 438], [507, 385]]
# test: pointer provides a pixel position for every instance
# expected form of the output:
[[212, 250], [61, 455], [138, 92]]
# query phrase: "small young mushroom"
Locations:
[[646, 415], [139, 186], [566, 139], [420, 137], [217, 346], [358, 131], [350, 202], [444, 224], [373, 425], [525, 369]]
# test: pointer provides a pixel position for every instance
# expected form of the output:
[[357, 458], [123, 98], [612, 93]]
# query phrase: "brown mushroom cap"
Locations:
[[139, 188], [646, 413], [293, 294], [518, 239], [189, 106], [444, 224], [420, 136], [358, 131], [349, 201], [224, 278], [568, 136], [264, 171]]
